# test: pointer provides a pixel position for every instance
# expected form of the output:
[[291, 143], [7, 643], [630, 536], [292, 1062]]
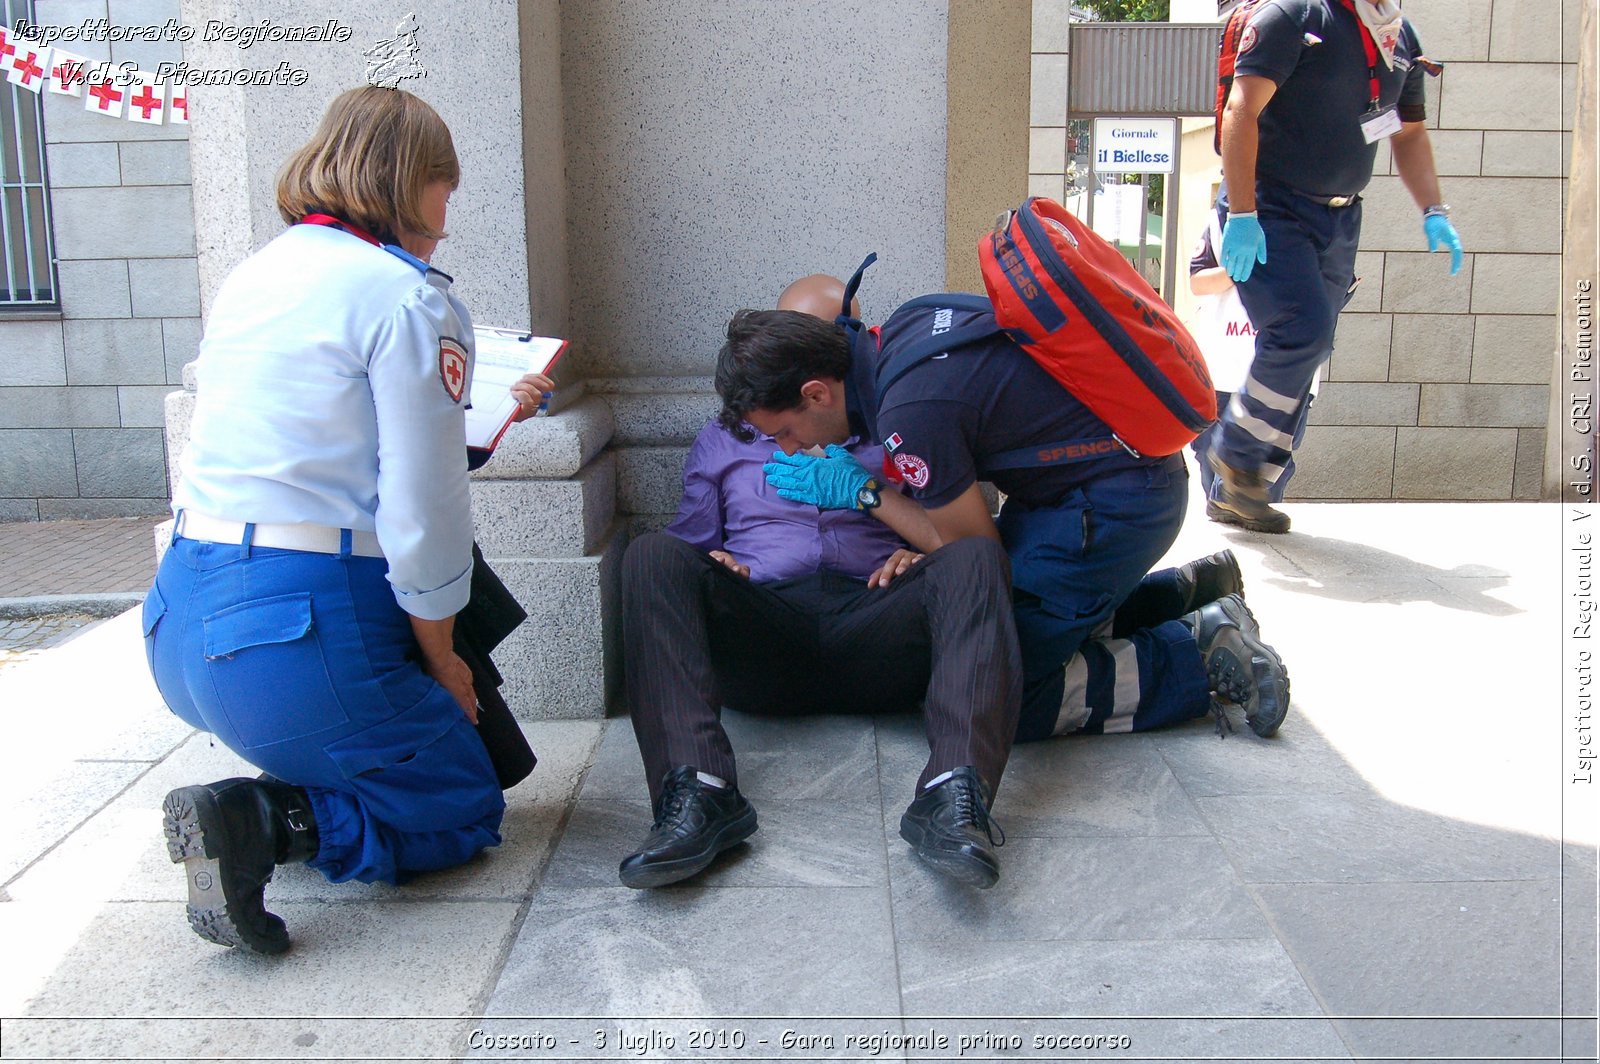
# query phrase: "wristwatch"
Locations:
[[868, 497], [1441, 210]]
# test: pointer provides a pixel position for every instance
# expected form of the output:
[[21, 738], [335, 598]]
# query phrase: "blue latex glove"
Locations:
[[1442, 233], [1243, 245], [829, 483]]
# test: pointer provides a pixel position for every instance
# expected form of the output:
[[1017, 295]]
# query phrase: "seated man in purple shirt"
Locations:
[[754, 602], [751, 601]]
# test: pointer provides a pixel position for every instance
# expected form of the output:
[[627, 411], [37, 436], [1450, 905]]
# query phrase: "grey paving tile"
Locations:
[[121, 854], [1453, 1038], [53, 806], [1580, 1039], [827, 758], [1101, 785], [1427, 952], [787, 758], [816, 844], [1579, 944], [142, 961], [1198, 999], [1353, 837], [804, 951], [1298, 760], [617, 771], [1078, 889], [1097, 785], [140, 735]]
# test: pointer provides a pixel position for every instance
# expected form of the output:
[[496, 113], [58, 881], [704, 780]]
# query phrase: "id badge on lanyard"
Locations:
[[1378, 125]]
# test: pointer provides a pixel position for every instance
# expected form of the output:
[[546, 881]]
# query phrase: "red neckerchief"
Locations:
[[1371, 45], [338, 223]]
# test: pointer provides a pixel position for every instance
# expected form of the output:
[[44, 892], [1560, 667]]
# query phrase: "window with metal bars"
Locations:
[[27, 251]]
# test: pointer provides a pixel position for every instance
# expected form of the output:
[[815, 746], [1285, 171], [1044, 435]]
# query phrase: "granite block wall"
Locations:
[[82, 388]]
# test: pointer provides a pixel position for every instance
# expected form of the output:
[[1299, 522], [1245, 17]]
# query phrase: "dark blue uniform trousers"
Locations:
[[698, 637], [298, 662], [1294, 300], [1072, 565]]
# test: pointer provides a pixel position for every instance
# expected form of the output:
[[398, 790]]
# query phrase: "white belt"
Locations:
[[318, 539]]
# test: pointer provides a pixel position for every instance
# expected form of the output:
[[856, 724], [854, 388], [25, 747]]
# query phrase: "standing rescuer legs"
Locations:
[[1318, 84]]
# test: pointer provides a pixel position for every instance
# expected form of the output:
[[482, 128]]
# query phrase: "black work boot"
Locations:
[[694, 822], [229, 835], [1242, 499], [1240, 668], [1208, 579], [949, 827]]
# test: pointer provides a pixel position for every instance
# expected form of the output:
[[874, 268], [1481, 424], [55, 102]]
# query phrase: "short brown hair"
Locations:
[[769, 355], [368, 163]]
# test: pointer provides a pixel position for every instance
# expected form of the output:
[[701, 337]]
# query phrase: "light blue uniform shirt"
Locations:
[[322, 399]]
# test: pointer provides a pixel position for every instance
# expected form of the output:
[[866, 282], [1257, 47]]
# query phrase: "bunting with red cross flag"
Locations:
[[29, 66], [8, 48], [101, 93], [178, 106], [147, 100], [67, 72]]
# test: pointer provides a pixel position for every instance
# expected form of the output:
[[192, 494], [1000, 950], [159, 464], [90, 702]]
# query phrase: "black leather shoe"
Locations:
[[1242, 500], [229, 835], [949, 827], [1208, 579], [694, 823], [1241, 668]]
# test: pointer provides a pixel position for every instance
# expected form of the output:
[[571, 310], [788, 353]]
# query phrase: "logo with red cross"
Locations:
[[913, 468], [452, 368]]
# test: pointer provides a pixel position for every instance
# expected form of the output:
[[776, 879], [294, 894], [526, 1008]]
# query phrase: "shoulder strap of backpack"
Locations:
[[914, 354], [851, 285]]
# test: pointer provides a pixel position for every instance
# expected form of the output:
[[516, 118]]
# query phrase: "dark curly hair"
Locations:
[[768, 356]]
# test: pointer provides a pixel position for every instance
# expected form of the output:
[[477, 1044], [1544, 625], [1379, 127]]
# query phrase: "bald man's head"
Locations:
[[819, 295]]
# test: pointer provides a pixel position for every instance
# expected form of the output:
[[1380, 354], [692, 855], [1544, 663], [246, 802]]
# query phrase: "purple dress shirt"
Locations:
[[728, 505]]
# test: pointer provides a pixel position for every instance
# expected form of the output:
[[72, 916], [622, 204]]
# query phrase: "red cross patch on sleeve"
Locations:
[[452, 367], [914, 469]]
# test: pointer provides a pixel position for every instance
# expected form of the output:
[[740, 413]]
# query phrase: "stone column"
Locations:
[[544, 505], [987, 112]]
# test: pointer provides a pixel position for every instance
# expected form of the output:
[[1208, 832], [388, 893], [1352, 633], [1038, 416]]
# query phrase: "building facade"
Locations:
[[85, 374]]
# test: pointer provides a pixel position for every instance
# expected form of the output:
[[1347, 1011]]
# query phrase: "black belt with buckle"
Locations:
[[1331, 201]]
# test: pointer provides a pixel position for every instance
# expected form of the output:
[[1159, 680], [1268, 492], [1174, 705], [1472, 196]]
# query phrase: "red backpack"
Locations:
[[1228, 57], [1073, 302]]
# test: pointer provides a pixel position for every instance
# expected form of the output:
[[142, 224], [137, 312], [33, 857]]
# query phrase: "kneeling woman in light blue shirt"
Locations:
[[323, 536]]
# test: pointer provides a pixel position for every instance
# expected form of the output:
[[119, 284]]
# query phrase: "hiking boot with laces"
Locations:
[[1241, 499], [694, 822], [949, 827], [229, 835], [1240, 668], [1208, 579]]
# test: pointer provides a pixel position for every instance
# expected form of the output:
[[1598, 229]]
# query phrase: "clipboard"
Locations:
[[502, 357]]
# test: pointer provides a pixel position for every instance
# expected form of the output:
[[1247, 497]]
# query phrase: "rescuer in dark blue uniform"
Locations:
[[1081, 537], [1318, 85]]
